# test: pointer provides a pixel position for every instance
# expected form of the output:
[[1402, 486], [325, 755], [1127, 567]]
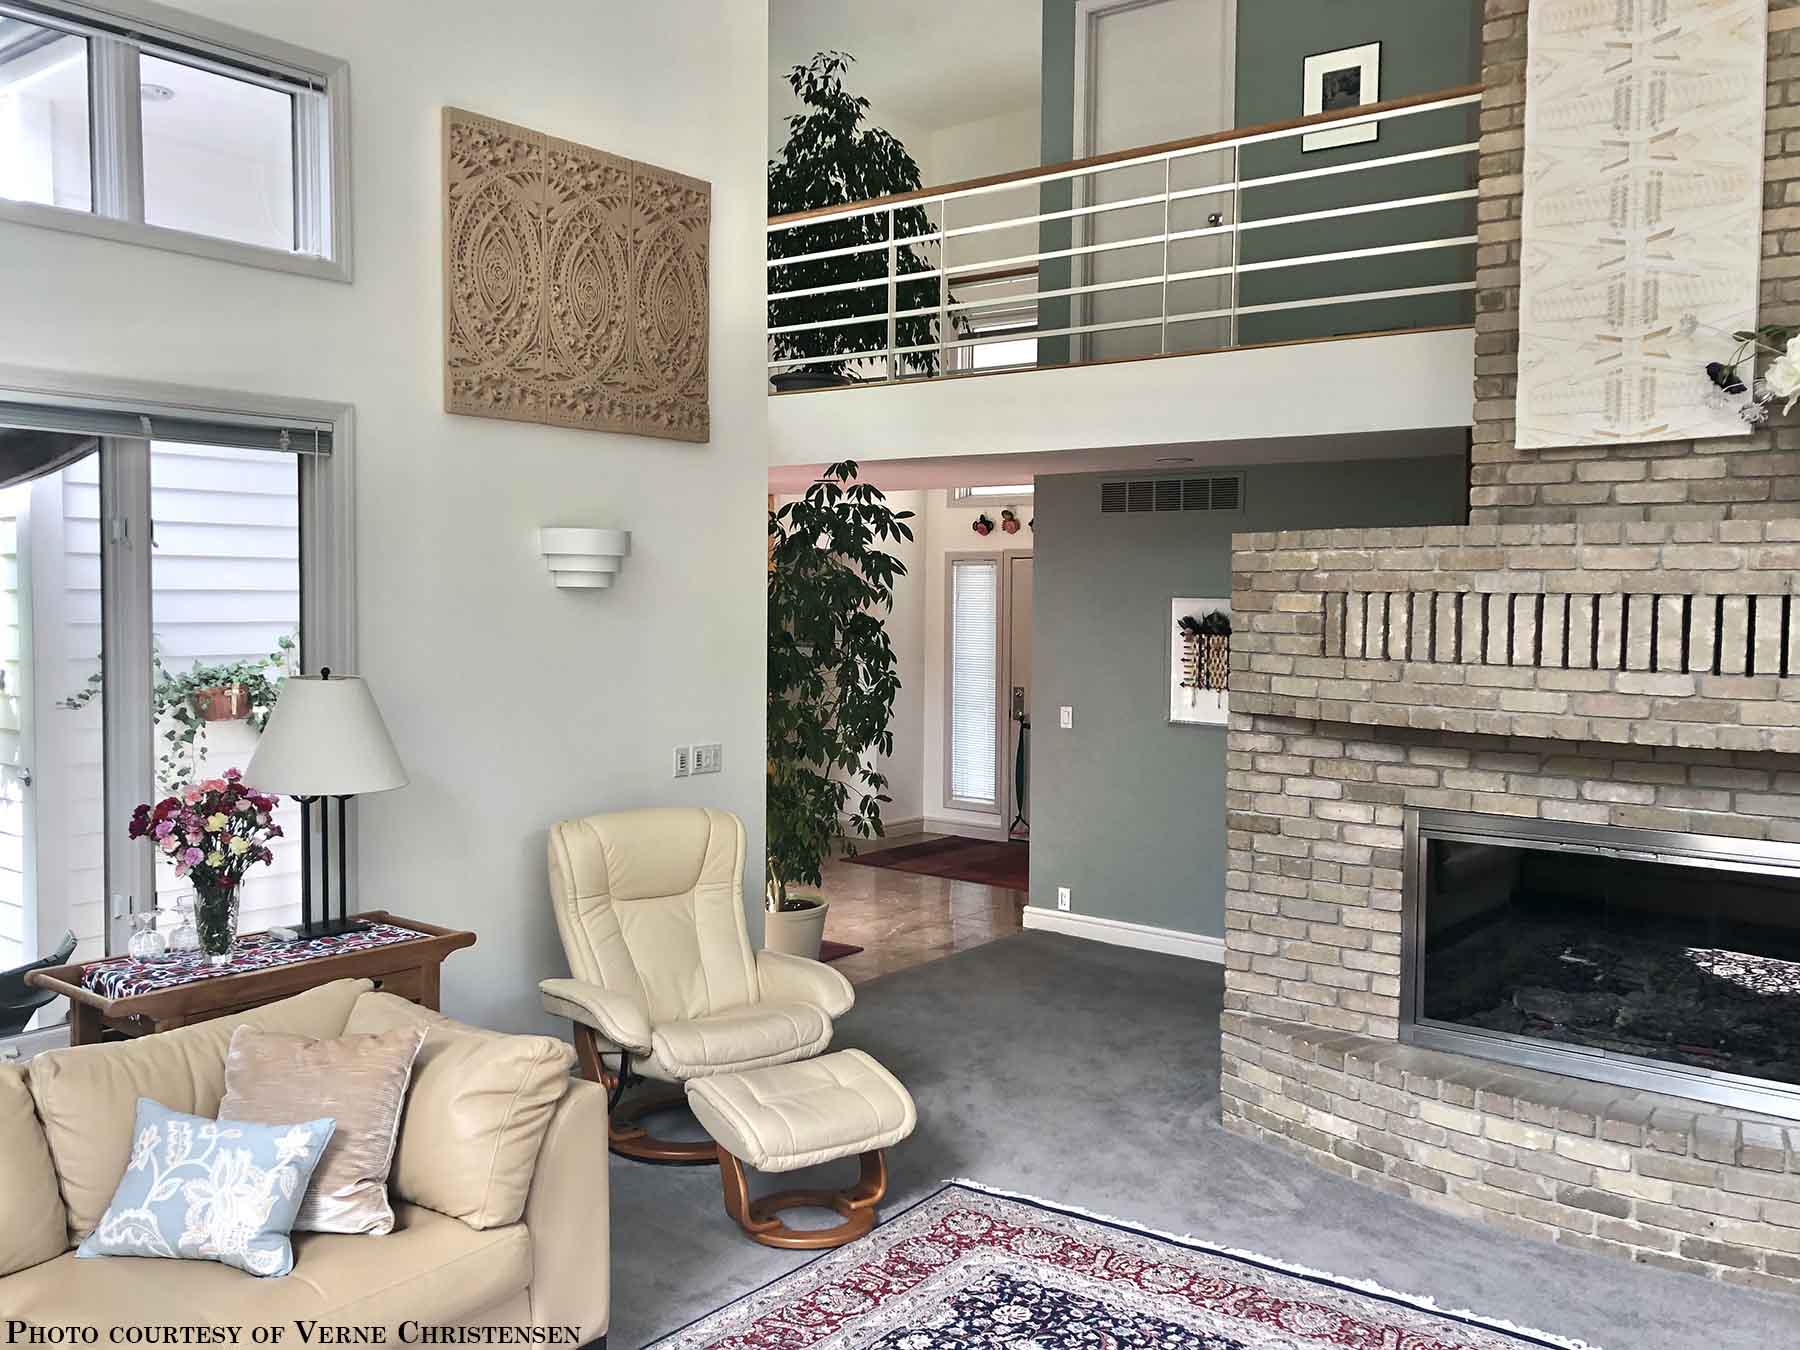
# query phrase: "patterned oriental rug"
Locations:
[[983, 1270]]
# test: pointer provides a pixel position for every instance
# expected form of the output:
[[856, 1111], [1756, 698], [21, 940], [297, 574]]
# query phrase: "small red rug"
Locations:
[[971, 1268], [989, 861], [836, 951]]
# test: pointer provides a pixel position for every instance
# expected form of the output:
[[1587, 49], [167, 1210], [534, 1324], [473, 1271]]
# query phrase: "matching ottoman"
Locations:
[[797, 1115]]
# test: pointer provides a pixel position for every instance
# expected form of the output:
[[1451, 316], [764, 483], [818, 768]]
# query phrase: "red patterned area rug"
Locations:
[[987, 1271]]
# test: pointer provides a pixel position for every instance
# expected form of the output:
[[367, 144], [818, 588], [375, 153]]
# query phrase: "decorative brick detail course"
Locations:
[[1755, 476], [1632, 633], [1658, 1180]]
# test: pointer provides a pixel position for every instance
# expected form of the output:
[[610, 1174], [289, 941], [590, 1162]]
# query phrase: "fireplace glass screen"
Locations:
[[1613, 951]]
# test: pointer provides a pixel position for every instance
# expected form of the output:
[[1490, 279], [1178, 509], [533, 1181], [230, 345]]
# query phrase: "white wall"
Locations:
[[513, 704], [1347, 386], [906, 630]]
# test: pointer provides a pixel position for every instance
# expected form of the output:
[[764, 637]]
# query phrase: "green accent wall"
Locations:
[[1426, 45], [1126, 810]]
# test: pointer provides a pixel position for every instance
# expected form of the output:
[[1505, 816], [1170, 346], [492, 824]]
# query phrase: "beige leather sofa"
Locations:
[[473, 1260]]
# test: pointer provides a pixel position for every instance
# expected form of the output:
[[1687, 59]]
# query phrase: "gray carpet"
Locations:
[[1087, 1075]]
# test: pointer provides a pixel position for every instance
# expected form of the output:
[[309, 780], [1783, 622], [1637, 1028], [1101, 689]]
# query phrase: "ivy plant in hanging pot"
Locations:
[[833, 158], [832, 682]]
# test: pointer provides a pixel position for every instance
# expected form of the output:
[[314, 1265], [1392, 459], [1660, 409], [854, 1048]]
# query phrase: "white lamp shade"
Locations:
[[325, 738]]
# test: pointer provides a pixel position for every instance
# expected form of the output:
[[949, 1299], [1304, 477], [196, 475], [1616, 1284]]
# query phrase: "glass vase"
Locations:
[[216, 916]]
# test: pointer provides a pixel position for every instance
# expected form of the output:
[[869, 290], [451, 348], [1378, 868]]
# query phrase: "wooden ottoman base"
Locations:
[[761, 1218]]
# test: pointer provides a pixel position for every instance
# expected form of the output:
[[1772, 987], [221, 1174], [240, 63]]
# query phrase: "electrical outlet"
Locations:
[[1062, 897], [709, 757], [681, 761], [1065, 717]]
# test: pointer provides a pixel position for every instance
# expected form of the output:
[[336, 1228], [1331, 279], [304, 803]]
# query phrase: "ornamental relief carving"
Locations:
[[575, 284]]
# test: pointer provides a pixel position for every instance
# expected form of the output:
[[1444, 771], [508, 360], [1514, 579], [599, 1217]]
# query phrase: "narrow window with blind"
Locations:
[[192, 137], [151, 604], [974, 691]]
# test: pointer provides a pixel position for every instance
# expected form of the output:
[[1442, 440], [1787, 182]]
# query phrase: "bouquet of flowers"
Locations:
[[213, 831]]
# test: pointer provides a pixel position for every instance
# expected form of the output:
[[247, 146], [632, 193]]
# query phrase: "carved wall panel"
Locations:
[[575, 284]]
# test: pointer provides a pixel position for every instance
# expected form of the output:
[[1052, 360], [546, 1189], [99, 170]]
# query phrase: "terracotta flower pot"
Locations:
[[797, 932], [222, 703]]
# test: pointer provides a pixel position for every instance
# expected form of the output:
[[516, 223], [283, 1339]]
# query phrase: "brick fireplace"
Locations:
[[1613, 642]]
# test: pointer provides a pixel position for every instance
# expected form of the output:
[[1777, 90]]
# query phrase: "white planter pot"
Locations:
[[797, 932]]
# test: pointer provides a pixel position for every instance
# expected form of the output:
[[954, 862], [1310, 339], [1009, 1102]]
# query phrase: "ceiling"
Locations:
[[900, 475], [922, 64]]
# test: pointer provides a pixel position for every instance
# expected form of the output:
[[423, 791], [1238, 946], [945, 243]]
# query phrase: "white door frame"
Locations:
[[1088, 14]]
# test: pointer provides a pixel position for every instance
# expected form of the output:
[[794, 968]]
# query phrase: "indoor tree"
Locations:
[[832, 672], [832, 158]]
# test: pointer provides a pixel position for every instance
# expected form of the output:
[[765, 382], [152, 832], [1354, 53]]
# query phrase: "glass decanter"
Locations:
[[147, 942], [184, 937]]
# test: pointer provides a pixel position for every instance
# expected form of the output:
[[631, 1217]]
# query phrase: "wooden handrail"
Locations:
[[1113, 156]]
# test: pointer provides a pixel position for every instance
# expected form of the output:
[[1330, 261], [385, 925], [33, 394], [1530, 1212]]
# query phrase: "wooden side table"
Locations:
[[408, 969]]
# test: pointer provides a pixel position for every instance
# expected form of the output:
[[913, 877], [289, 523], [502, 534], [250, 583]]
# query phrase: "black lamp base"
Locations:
[[319, 928]]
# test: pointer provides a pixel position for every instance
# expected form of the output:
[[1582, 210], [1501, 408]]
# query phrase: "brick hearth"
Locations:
[[1614, 640]]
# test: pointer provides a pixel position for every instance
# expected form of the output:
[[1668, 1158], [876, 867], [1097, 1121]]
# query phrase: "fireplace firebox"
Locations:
[[1656, 960]]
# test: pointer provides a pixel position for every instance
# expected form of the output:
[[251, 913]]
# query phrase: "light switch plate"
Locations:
[[709, 757], [681, 761], [1065, 717]]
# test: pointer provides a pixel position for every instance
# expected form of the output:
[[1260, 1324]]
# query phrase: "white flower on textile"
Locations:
[[1782, 378], [144, 1150], [228, 1209]]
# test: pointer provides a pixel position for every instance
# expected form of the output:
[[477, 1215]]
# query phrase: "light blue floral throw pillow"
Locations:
[[210, 1190]]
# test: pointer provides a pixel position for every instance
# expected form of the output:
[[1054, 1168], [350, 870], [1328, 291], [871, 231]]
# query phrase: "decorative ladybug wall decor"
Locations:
[[983, 525], [1009, 521]]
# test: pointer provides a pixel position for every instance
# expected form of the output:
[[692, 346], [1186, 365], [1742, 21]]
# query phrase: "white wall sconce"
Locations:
[[581, 558]]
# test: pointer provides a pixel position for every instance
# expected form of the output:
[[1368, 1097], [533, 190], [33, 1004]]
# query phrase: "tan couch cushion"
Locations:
[[87, 1095], [430, 1268], [34, 1226], [476, 1114]]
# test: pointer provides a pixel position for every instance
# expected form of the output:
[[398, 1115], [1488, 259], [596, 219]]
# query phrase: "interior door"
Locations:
[[1018, 681], [1149, 71]]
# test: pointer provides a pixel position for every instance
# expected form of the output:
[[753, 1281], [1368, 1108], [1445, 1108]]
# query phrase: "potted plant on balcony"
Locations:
[[832, 682], [832, 158]]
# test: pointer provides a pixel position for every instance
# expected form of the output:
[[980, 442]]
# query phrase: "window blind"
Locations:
[[79, 417], [974, 676]]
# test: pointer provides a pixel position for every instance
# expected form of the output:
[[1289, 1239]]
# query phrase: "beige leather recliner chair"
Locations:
[[650, 906]]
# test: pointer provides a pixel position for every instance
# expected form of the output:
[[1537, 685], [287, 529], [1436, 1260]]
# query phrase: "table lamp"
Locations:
[[324, 739]]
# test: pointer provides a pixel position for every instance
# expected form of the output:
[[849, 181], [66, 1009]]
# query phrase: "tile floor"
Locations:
[[904, 920]]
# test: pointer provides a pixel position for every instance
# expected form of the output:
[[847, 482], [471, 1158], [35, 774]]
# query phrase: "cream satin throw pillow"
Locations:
[[358, 1081]]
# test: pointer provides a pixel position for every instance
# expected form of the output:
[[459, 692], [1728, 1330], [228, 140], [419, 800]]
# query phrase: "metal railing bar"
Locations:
[[852, 249], [1364, 208], [1191, 316], [1269, 180], [1148, 279], [1083, 168]]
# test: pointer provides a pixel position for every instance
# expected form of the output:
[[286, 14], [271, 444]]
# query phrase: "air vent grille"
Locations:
[[1220, 492]]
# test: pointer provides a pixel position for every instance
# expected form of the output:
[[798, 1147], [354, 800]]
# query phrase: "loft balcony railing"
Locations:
[[1356, 221]]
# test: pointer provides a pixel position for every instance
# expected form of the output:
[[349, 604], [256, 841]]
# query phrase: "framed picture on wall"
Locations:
[[1199, 640], [1349, 78]]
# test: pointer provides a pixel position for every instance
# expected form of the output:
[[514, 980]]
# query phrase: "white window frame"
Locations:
[[116, 30], [996, 806], [974, 498], [327, 582]]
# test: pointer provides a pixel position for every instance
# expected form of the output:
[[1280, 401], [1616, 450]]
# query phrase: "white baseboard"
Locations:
[[893, 829], [1119, 933], [995, 832]]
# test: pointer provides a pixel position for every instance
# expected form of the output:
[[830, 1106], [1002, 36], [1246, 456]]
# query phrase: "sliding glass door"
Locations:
[[152, 604]]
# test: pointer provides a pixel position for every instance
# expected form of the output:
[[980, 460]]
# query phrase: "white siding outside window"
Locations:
[[974, 675]]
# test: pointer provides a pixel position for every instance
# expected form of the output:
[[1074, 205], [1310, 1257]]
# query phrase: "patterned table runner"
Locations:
[[126, 977]]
